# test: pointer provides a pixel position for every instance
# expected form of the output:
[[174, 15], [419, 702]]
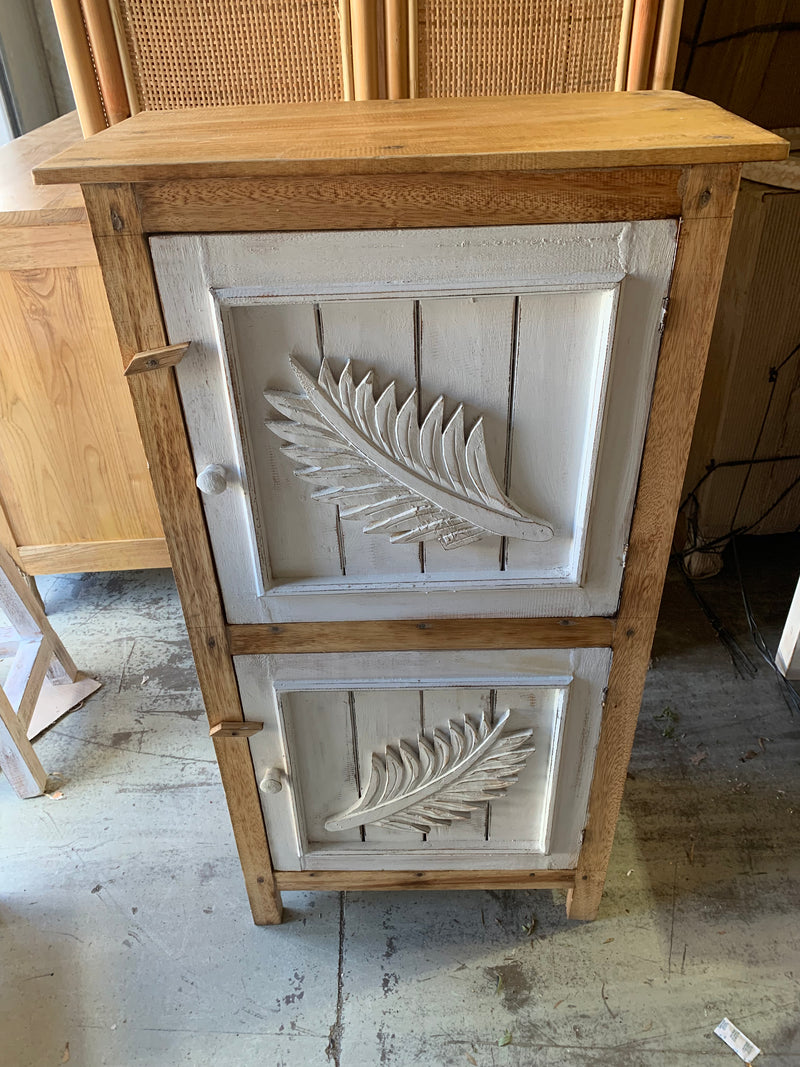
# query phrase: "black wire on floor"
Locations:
[[691, 504], [742, 663]]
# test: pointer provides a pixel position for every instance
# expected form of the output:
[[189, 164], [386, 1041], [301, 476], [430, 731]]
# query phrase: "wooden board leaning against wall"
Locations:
[[75, 492]]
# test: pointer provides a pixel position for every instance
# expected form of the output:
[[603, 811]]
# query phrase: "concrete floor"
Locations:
[[125, 937]]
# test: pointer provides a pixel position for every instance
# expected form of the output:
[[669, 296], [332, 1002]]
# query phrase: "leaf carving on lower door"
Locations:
[[412, 482], [443, 779]]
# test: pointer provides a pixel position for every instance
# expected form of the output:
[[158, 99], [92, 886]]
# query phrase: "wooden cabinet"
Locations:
[[435, 371], [75, 494]]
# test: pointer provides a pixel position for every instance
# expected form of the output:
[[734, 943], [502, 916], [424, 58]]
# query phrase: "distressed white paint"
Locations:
[[479, 331], [553, 392], [577, 422], [440, 706], [379, 336], [310, 732], [379, 716]]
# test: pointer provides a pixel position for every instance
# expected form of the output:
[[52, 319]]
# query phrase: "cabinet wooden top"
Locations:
[[520, 133]]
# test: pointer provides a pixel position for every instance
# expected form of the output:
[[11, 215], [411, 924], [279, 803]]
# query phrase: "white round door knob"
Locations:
[[212, 480], [272, 782]]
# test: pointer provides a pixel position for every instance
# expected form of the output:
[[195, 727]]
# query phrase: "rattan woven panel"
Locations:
[[493, 47], [196, 53]]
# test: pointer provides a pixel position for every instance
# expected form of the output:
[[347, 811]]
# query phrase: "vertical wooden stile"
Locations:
[[621, 79], [397, 32], [136, 311], [346, 40], [643, 31], [100, 30], [666, 45], [124, 57], [709, 195], [71, 31], [364, 34], [413, 49]]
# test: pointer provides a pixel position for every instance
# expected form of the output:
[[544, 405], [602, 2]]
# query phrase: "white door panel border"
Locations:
[[548, 332], [326, 717]]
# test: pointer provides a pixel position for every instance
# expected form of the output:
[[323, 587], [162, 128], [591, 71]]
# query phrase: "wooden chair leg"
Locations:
[[25, 612], [25, 706], [18, 762]]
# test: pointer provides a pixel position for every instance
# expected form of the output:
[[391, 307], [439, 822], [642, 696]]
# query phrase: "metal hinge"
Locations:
[[664, 310]]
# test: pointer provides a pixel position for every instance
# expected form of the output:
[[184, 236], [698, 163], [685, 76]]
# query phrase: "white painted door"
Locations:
[[788, 655], [461, 760], [510, 495]]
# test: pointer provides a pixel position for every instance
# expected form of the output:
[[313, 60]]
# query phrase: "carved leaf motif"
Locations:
[[443, 779], [415, 483]]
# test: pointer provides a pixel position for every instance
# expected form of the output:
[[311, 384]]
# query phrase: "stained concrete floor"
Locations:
[[125, 937]]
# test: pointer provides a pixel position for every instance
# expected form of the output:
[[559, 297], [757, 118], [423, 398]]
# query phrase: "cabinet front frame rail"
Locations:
[[262, 639], [411, 879], [702, 195]]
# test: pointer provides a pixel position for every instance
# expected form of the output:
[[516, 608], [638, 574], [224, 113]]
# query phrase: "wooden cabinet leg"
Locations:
[[583, 901], [241, 791]]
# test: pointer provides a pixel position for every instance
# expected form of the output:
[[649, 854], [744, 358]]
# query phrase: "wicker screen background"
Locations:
[[498, 47], [195, 53]]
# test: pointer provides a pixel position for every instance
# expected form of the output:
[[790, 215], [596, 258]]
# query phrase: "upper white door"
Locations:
[[351, 490]]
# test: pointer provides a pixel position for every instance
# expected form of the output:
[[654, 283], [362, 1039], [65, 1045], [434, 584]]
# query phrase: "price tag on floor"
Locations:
[[735, 1039]]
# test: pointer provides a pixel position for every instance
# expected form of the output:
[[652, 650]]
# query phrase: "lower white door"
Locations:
[[422, 760]]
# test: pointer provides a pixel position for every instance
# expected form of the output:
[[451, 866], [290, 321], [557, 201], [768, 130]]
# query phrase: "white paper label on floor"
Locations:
[[735, 1039]]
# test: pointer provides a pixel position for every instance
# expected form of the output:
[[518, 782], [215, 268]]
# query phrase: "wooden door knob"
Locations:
[[212, 480]]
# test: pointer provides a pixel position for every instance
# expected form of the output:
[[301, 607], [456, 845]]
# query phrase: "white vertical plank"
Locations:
[[323, 761], [269, 749], [521, 818], [190, 312], [384, 717], [378, 335], [465, 356], [300, 533], [562, 344], [788, 654], [438, 707]]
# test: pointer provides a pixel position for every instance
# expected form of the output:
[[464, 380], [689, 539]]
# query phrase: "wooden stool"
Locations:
[[28, 704]]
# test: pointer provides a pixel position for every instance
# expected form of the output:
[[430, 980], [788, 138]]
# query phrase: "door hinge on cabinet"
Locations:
[[662, 322]]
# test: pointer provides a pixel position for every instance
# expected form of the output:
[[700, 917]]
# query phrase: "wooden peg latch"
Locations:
[[235, 729], [156, 358]]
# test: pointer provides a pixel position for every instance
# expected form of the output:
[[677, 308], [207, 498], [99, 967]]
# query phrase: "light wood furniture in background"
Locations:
[[42, 683], [126, 56], [75, 494], [574, 166]]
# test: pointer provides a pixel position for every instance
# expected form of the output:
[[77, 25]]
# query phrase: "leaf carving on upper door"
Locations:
[[443, 779], [412, 482]]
